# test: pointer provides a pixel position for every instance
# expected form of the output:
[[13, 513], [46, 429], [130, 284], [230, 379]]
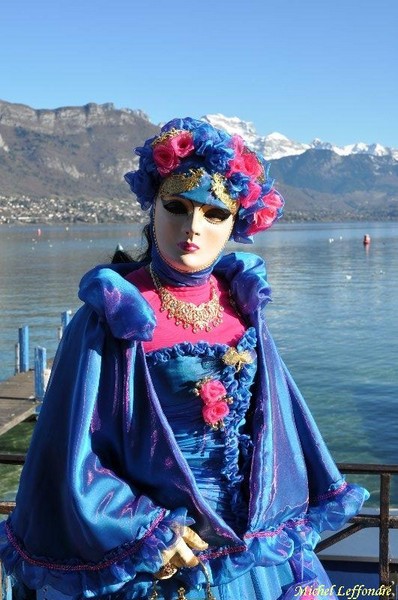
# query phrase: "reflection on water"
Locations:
[[333, 314]]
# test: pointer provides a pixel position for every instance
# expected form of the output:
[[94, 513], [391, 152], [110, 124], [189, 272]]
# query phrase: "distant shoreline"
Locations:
[[55, 210], [126, 221]]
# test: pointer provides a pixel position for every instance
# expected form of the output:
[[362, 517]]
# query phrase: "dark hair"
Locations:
[[120, 256]]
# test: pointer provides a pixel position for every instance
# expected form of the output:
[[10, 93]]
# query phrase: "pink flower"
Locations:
[[165, 157], [251, 165], [214, 397], [245, 161], [213, 413], [252, 196], [236, 165], [262, 220], [212, 391], [238, 144], [183, 144], [273, 198]]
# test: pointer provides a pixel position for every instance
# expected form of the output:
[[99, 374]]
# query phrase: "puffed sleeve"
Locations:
[[85, 521]]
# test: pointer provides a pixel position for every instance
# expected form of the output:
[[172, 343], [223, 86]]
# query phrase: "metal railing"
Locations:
[[10, 459], [383, 520]]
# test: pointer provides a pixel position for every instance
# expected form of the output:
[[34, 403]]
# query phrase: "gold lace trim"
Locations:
[[181, 182], [185, 182], [218, 189], [167, 135]]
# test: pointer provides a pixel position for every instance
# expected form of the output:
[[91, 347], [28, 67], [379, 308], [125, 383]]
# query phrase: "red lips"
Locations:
[[188, 246]]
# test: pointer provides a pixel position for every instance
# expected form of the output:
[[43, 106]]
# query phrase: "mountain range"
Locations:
[[68, 163], [276, 145]]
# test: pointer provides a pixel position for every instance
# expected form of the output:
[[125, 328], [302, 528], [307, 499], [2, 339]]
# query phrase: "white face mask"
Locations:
[[190, 236]]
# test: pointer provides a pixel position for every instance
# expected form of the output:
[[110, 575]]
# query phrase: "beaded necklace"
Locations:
[[203, 317]]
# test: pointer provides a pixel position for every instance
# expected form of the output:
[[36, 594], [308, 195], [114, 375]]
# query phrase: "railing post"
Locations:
[[17, 363], [40, 367], [66, 316], [384, 567], [23, 335]]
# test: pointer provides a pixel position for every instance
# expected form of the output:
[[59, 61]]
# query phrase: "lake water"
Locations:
[[334, 313]]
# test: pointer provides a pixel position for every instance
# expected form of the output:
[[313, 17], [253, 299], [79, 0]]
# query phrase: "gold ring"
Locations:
[[166, 572]]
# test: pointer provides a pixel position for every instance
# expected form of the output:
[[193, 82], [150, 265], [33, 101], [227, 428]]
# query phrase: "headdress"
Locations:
[[193, 159]]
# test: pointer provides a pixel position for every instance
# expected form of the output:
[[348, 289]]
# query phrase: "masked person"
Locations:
[[174, 454]]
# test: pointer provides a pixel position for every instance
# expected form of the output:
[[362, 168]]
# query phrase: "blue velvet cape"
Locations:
[[105, 486]]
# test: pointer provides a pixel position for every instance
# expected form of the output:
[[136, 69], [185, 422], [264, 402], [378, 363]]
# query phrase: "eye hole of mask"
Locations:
[[216, 215], [213, 214], [175, 207]]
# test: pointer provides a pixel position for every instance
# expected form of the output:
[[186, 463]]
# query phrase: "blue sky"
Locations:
[[305, 68]]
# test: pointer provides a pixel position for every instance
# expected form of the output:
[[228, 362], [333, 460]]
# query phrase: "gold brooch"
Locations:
[[237, 359]]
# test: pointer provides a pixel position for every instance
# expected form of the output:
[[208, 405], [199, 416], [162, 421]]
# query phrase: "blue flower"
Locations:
[[237, 185], [143, 186], [217, 158]]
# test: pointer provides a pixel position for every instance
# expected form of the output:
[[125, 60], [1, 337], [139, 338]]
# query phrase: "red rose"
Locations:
[[183, 144], [212, 391], [165, 158], [213, 413]]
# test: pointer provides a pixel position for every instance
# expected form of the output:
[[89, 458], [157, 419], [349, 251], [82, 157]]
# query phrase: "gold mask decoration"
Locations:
[[177, 184]]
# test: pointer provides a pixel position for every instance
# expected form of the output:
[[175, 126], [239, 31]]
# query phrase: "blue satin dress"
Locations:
[[121, 454], [219, 459]]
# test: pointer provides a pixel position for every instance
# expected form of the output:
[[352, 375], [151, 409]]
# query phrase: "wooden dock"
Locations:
[[17, 402]]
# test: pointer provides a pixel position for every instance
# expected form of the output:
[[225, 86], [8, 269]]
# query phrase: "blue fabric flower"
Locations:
[[237, 184]]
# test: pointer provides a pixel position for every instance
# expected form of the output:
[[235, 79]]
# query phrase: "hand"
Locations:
[[180, 554]]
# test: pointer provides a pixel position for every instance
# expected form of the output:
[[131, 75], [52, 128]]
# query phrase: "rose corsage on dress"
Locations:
[[215, 401]]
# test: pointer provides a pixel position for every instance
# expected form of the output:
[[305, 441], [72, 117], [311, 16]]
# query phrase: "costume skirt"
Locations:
[[260, 583]]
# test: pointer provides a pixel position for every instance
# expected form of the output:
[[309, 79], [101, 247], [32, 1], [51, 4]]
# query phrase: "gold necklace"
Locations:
[[203, 317]]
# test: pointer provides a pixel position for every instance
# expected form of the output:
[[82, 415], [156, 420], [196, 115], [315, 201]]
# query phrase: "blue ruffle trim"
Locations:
[[201, 348], [238, 387], [342, 502], [186, 349], [130, 562], [292, 541]]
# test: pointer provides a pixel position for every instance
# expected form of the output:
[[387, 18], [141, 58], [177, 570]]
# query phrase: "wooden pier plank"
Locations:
[[17, 402]]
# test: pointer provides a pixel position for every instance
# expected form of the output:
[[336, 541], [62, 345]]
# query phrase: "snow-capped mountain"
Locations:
[[76, 157], [275, 145]]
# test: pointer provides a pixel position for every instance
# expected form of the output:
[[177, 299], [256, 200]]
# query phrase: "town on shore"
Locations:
[[16, 210]]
